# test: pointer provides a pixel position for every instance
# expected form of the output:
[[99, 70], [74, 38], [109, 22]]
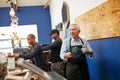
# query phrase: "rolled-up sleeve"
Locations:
[[88, 46]]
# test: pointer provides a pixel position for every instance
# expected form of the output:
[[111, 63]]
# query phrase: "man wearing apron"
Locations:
[[73, 50]]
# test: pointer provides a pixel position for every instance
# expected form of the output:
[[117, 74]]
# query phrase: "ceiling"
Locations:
[[24, 3]]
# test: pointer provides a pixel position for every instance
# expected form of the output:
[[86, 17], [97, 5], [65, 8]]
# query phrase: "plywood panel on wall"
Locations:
[[101, 22]]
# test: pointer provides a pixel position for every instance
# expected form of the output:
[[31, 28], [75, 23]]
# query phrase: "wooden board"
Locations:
[[101, 22]]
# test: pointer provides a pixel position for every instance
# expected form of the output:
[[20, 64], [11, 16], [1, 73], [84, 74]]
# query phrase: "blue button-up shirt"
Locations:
[[66, 46]]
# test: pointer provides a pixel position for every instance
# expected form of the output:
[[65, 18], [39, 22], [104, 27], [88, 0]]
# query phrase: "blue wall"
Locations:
[[30, 15], [106, 63]]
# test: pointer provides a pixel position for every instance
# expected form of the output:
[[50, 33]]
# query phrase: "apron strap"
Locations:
[[70, 43]]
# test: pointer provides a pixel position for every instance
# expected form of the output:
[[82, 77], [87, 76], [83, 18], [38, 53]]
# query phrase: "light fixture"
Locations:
[[14, 20], [12, 12]]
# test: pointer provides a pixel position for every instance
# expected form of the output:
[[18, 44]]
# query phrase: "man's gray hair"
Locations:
[[77, 26]]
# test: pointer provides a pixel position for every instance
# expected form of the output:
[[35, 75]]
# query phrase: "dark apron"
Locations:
[[77, 68]]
